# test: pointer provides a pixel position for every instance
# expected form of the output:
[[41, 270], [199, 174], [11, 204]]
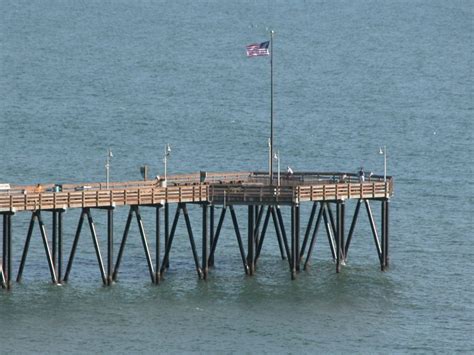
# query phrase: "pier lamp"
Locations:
[[277, 158], [165, 160], [383, 151], [107, 167]]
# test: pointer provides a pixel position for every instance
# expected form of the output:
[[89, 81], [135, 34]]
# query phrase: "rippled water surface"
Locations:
[[78, 77]]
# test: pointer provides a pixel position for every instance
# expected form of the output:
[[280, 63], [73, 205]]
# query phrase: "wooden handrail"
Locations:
[[251, 191]]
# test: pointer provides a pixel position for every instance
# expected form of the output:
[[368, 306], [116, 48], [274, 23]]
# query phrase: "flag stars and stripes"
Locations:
[[258, 49]]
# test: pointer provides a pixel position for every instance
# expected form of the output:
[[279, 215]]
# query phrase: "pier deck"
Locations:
[[263, 197]]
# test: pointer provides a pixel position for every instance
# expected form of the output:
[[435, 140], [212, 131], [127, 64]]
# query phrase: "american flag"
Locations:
[[258, 49]]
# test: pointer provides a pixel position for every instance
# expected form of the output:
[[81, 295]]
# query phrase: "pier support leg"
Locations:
[[263, 233], [294, 251], [2, 277], [95, 240], [283, 234], [215, 239], [54, 240], [191, 240], [74, 247], [239, 239], [3, 281], [181, 206], [351, 229], [384, 234], [59, 261], [382, 239], [205, 260], [110, 245], [374, 231], [329, 231], [308, 229], [331, 219], [339, 234], [278, 232], [145, 243], [9, 246], [135, 210], [122, 244], [52, 269], [170, 240], [157, 246], [167, 230], [4, 251], [6, 267], [57, 242], [211, 235], [26, 247], [313, 237], [259, 210], [251, 239], [297, 237], [54, 255]]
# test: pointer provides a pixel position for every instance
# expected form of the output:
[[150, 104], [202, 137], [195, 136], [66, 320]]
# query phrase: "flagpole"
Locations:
[[271, 107]]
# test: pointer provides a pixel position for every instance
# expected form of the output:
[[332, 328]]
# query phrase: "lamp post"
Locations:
[[270, 165], [165, 160], [277, 158], [107, 168], [383, 151]]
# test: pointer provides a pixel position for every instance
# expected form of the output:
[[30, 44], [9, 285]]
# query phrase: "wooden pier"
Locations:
[[263, 196]]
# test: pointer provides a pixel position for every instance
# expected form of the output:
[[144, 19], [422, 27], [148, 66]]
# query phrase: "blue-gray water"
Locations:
[[78, 77]]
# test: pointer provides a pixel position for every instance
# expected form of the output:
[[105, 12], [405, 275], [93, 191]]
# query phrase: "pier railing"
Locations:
[[102, 198], [313, 187]]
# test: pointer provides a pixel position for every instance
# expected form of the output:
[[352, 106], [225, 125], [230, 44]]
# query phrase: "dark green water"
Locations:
[[79, 77]]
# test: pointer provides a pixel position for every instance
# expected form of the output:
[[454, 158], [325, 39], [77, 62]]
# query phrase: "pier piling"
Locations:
[[157, 245]]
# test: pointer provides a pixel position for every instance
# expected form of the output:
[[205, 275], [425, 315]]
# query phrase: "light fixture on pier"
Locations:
[[144, 172], [107, 167], [165, 160], [276, 156], [383, 151]]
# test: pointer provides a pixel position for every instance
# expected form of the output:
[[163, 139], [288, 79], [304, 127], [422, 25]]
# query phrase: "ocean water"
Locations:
[[79, 77]]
